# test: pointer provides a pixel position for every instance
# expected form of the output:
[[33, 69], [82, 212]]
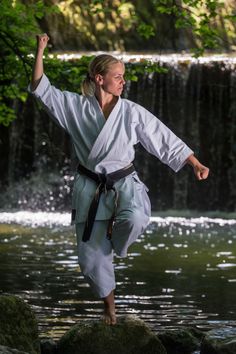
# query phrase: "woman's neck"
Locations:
[[105, 99]]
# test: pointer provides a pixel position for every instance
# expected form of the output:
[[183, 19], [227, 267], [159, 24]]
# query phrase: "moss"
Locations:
[[7, 350], [179, 341], [129, 336], [18, 325]]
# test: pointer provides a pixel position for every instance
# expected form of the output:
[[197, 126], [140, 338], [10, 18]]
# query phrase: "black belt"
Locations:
[[105, 182]]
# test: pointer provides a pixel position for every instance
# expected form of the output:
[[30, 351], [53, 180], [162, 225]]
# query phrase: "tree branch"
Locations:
[[15, 49]]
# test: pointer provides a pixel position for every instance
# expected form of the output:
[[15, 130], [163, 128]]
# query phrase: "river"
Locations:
[[181, 272]]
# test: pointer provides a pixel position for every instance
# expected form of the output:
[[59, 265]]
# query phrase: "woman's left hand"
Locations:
[[201, 171]]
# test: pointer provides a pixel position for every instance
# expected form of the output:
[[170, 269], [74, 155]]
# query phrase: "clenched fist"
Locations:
[[42, 40], [201, 171]]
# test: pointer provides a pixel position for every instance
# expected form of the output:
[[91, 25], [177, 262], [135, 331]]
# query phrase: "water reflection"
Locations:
[[181, 272]]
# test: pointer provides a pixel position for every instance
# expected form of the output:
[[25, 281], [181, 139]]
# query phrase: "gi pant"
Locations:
[[96, 255]]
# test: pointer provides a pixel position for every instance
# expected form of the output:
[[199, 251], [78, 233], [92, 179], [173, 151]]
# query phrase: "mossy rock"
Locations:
[[181, 341], [219, 341], [129, 336], [18, 325], [7, 350], [48, 346]]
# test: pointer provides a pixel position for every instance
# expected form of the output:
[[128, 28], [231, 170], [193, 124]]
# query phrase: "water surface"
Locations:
[[181, 272]]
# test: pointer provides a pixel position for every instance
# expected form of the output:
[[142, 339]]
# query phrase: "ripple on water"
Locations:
[[169, 279], [226, 265]]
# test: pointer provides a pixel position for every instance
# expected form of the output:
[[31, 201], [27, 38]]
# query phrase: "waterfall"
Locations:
[[196, 99]]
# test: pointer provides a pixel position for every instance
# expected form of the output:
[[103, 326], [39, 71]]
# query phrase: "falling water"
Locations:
[[195, 98]]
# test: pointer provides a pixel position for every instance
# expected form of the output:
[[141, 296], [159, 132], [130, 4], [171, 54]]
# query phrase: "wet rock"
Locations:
[[129, 336], [7, 350], [219, 341], [18, 325], [182, 341], [48, 346]]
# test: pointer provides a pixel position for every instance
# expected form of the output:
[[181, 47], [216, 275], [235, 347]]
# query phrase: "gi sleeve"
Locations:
[[57, 103], [160, 141]]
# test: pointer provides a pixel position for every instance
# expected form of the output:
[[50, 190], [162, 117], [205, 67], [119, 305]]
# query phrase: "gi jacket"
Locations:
[[106, 145]]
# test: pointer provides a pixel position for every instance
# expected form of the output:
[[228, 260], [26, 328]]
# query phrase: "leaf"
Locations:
[[145, 30]]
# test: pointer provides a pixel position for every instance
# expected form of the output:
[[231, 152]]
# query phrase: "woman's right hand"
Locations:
[[42, 41]]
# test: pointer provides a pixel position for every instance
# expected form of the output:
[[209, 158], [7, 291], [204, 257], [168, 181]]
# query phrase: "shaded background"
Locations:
[[195, 99], [182, 270]]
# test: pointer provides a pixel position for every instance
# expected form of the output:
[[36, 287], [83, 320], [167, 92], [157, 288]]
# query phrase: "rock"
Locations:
[[129, 336], [18, 325], [48, 346], [219, 341], [7, 350], [180, 341]]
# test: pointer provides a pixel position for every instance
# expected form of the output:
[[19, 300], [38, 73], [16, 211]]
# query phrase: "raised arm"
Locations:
[[37, 73], [64, 107]]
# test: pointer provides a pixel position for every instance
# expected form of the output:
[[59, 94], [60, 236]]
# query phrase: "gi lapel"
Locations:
[[102, 138]]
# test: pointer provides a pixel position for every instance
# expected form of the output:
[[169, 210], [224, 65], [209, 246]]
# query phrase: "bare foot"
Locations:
[[109, 317], [109, 309]]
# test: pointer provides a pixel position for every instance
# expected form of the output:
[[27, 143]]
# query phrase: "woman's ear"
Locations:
[[98, 79]]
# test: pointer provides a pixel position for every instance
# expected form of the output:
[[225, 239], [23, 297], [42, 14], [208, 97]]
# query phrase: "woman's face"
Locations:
[[113, 81]]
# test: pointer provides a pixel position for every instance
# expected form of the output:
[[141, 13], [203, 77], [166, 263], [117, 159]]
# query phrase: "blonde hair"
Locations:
[[99, 65]]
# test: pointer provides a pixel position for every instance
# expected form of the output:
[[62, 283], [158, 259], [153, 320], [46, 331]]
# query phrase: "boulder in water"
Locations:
[[7, 350], [18, 325], [129, 336], [48, 346], [219, 341], [181, 341]]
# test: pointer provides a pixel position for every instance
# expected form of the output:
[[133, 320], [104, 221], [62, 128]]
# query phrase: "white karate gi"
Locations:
[[104, 146]]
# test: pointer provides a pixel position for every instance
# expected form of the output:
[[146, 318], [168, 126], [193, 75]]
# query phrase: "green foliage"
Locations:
[[17, 38], [135, 71], [67, 75], [145, 30], [18, 25], [97, 6], [199, 16], [7, 114]]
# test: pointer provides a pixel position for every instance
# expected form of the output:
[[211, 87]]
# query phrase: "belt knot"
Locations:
[[105, 181]]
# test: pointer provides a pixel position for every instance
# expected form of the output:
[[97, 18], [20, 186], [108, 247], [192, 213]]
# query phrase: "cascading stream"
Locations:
[[195, 98]]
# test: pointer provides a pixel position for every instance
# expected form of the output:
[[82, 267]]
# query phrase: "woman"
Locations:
[[111, 207]]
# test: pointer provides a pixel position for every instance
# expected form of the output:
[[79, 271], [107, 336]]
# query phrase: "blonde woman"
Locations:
[[110, 205]]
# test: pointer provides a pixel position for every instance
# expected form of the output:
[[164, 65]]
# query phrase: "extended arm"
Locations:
[[200, 171], [160, 141], [37, 72]]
